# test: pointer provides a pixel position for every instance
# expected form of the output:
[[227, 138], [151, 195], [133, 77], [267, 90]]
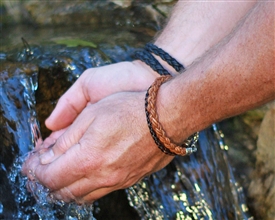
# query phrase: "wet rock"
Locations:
[[51, 87], [114, 206], [55, 13], [10, 69], [262, 187]]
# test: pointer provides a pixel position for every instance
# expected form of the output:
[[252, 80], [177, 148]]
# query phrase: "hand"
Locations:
[[97, 83], [107, 147]]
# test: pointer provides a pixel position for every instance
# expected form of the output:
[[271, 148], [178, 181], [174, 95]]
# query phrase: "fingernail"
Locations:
[[45, 149], [47, 157]]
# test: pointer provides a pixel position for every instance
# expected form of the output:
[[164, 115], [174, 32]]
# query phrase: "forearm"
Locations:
[[194, 27], [235, 76]]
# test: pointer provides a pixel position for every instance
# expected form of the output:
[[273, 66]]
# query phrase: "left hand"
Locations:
[[97, 83], [107, 147]]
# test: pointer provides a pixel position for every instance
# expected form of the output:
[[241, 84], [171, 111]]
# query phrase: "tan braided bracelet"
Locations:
[[156, 130]]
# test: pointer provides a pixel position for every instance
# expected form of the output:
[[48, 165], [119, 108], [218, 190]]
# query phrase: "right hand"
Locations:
[[107, 147]]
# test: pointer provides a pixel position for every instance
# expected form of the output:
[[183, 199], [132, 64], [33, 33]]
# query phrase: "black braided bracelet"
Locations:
[[151, 61], [164, 56]]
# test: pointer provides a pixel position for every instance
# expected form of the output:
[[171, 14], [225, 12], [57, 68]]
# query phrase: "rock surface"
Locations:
[[63, 12], [262, 187]]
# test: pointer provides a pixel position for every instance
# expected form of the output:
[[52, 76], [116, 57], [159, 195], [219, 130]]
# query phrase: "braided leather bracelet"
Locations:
[[159, 135], [153, 133]]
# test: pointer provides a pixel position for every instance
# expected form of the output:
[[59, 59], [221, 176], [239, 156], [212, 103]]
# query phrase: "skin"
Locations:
[[102, 141]]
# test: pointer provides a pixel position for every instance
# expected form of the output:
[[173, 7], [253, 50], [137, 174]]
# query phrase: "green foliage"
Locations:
[[75, 42]]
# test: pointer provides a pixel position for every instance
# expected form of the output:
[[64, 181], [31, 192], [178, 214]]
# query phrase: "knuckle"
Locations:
[[85, 158], [113, 179], [48, 182], [51, 185], [89, 159], [66, 100], [62, 144]]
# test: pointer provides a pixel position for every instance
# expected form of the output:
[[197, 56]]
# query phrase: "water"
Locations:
[[45, 206], [18, 102], [193, 188], [201, 186]]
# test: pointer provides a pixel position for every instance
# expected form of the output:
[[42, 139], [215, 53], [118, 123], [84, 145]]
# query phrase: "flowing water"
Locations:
[[19, 122], [200, 186]]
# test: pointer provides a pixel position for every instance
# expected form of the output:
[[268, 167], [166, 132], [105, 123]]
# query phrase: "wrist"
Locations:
[[159, 135], [177, 110], [147, 69], [196, 27], [144, 75]]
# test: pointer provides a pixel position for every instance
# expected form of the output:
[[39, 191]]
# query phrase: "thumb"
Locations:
[[69, 138], [68, 106]]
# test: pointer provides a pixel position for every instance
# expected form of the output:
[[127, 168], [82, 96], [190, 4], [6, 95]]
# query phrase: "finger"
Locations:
[[55, 135], [102, 190], [87, 190], [69, 137], [66, 195], [68, 106], [66, 169], [31, 163], [49, 140], [82, 187], [47, 144], [95, 195]]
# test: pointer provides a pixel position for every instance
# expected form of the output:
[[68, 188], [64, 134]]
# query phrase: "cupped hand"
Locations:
[[97, 83], [107, 147]]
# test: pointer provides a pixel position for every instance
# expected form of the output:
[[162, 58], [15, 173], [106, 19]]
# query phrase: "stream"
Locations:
[[35, 71]]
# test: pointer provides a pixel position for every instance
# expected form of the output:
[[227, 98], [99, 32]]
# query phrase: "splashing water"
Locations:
[[44, 207]]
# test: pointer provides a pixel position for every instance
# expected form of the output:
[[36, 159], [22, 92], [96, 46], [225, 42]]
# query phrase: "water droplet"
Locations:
[[1, 208]]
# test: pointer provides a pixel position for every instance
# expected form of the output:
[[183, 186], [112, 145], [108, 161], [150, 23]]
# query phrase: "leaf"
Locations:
[[75, 42]]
